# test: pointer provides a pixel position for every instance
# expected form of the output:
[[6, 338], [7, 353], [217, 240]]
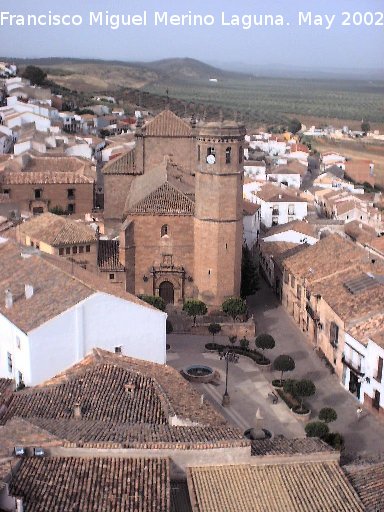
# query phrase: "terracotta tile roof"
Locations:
[[98, 382], [61, 484], [275, 248], [123, 164], [330, 255], [57, 164], [359, 232], [301, 487], [369, 329], [342, 207], [378, 244], [296, 225], [352, 307], [108, 258], [99, 390], [57, 230], [272, 194], [43, 178], [50, 277], [20, 432], [378, 337], [166, 200], [368, 481], [250, 208], [280, 445], [167, 124], [111, 434], [280, 258]]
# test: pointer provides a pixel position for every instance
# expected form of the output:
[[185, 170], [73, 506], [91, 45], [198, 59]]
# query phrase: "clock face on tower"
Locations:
[[211, 159]]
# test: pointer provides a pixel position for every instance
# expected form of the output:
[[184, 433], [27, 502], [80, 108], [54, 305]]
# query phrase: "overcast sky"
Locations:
[[291, 45]]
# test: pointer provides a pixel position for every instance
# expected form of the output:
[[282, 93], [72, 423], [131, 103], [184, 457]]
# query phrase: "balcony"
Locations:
[[312, 313], [353, 366], [275, 212]]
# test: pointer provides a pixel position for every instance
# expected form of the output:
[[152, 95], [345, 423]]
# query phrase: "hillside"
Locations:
[[259, 99]]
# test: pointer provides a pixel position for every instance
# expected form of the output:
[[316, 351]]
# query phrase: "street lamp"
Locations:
[[230, 357]]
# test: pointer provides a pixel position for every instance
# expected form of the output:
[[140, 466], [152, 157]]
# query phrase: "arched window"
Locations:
[[228, 155], [164, 230], [211, 151]]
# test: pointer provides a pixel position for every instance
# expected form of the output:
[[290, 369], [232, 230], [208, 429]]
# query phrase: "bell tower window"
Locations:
[[211, 151], [164, 230], [228, 155]]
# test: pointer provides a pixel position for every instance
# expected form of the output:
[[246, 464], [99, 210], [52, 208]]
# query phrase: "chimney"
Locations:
[[280, 196], [77, 411], [129, 388], [8, 299], [28, 288]]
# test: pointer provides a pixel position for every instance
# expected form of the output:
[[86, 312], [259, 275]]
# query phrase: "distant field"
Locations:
[[356, 150], [260, 100], [273, 100]]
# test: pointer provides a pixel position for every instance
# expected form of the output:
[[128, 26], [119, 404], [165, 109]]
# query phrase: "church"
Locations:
[[176, 200]]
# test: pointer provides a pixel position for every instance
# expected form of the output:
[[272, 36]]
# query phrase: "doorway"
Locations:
[[167, 292]]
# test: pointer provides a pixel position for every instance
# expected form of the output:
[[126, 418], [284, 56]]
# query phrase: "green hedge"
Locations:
[[292, 402], [252, 354]]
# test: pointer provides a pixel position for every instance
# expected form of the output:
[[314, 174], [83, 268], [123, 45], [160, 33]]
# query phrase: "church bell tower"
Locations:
[[218, 223]]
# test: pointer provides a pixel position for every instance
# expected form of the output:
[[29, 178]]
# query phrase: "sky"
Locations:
[[338, 47]]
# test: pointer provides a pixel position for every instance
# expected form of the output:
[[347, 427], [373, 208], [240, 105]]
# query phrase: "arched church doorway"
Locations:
[[167, 292]]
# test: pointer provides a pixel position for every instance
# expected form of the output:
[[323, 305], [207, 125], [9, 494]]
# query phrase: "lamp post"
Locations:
[[230, 357]]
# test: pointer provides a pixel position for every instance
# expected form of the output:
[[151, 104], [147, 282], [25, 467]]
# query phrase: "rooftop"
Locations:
[[368, 481], [300, 487], [44, 178], [167, 124], [273, 194], [123, 403], [360, 232], [123, 164], [57, 230], [62, 484], [280, 445], [330, 255], [50, 277], [108, 258], [296, 225]]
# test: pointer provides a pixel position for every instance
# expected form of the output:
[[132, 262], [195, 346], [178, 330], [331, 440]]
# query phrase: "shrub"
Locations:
[[327, 414], [265, 342], [234, 306], [194, 307], [244, 343], [156, 302], [317, 429], [303, 388], [283, 363], [334, 439], [232, 339], [213, 346], [214, 329], [288, 386]]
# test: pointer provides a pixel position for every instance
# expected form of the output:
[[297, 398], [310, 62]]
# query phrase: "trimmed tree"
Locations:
[[294, 125], [153, 300], [303, 388], [194, 307], [283, 363], [234, 306], [327, 414], [265, 341], [214, 329], [289, 386], [232, 339], [244, 343], [317, 429], [365, 127]]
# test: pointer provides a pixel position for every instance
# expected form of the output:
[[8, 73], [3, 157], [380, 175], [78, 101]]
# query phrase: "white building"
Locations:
[[51, 317], [285, 176], [363, 362], [279, 206], [251, 223]]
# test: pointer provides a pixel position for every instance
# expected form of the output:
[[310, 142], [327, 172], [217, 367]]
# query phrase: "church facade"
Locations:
[[176, 199]]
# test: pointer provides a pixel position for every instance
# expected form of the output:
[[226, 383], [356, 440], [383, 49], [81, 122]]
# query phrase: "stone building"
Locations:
[[176, 198]]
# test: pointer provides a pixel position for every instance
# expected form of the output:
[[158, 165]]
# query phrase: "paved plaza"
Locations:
[[249, 386]]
